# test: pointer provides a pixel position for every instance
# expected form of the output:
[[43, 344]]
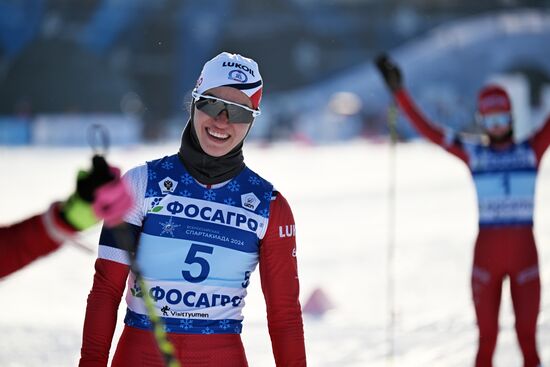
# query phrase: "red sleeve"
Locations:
[[101, 312], [26, 241], [427, 128], [541, 139], [280, 285]]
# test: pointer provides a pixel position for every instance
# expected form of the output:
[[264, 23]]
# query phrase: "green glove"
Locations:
[[77, 210]]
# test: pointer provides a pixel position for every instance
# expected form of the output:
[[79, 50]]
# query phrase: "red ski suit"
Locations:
[[280, 285], [500, 250], [26, 241]]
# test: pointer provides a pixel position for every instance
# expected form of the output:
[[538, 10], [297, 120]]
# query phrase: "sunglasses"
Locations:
[[213, 106], [495, 120]]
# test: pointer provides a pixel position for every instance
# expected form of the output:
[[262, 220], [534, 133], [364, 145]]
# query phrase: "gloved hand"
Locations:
[[390, 71], [112, 200], [100, 194]]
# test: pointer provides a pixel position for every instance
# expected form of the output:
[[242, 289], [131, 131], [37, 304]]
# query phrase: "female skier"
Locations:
[[504, 174], [202, 223]]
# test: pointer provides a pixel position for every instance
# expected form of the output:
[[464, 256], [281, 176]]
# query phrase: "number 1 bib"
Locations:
[[505, 184]]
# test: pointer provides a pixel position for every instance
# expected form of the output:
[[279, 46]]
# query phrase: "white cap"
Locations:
[[232, 70]]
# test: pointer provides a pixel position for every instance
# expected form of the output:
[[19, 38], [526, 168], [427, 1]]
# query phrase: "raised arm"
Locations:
[[446, 139], [280, 285]]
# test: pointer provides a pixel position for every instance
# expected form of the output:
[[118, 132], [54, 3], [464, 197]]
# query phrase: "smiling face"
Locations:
[[217, 136]]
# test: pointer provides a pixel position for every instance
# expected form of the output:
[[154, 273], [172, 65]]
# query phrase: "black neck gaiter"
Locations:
[[206, 169]]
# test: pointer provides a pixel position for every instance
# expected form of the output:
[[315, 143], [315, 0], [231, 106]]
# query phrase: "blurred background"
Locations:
[[322, 138], [132, 63]]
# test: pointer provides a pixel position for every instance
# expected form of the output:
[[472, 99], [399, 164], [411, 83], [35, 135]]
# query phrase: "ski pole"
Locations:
[[122, 236], [390, 265], [98, 138]]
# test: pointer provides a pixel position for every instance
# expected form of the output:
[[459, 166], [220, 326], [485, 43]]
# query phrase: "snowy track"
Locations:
[[339, 197]]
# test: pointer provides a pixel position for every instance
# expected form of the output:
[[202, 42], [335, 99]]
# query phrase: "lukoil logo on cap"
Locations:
[[238, 66], [232, 70]]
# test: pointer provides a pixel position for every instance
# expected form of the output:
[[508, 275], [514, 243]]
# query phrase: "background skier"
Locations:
[[504, 174]]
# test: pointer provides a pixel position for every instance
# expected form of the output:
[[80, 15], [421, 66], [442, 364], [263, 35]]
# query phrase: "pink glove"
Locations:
[[112, 200]]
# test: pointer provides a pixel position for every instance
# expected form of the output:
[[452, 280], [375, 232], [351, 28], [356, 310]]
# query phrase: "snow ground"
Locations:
[[339, 195]]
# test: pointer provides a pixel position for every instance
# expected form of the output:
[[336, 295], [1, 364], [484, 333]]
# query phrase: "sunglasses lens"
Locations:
[[497, 119], [239, 115], [213, 107]]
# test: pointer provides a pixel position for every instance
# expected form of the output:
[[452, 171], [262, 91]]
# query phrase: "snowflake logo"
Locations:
[[167, 165], [152, 175], [168, 329], [186, 324], [267, 195], [146, 322], [233, 186], [207, 331], [185, 193], [169, 227], [229, 201], [254, 180], [209, 195], [264, 213], [186, 179], [150, 193], [224, 324], [238, 329]]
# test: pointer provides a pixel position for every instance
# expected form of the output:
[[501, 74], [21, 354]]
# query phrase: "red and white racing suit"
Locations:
[[505, 246], [26, 241], [279, 282]]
